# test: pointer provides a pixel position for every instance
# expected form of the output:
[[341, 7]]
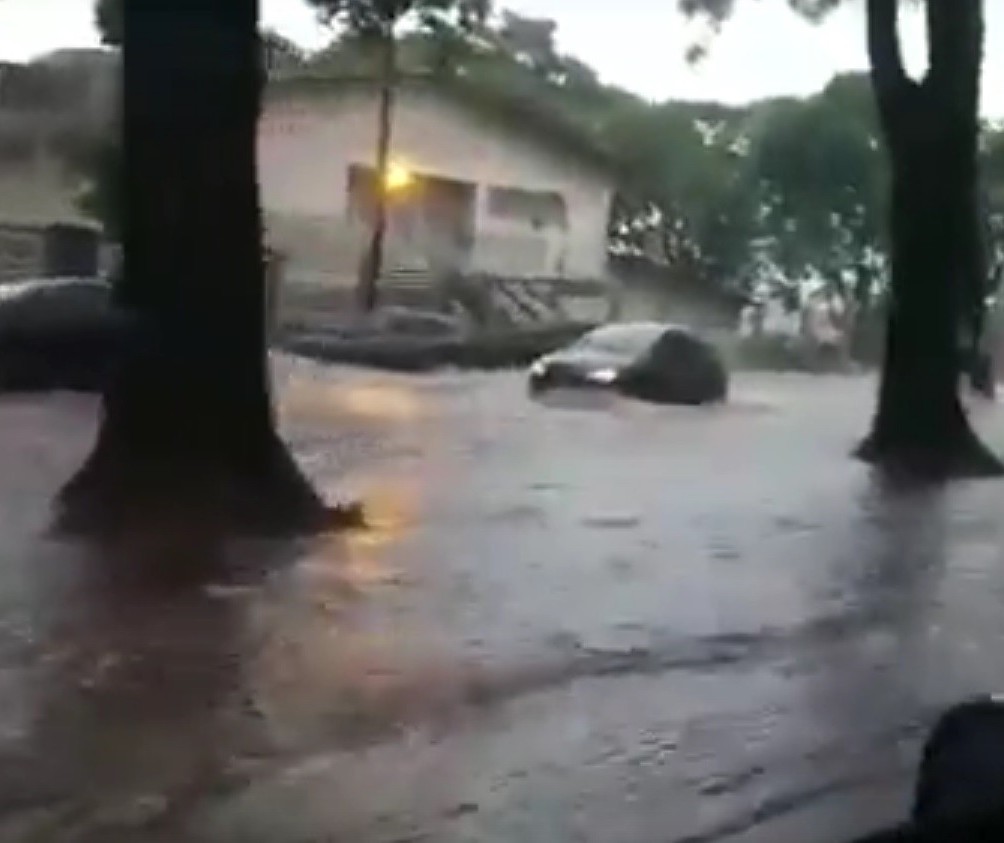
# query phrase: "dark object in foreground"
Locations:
[[959, 794], [920, 429], [58, 333], [654, 362], [188, 433]]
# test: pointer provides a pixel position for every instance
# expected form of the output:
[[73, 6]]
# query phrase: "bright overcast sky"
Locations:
[[639, 44]]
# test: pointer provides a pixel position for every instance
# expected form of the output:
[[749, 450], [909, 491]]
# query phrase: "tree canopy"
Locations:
[[382, 17]]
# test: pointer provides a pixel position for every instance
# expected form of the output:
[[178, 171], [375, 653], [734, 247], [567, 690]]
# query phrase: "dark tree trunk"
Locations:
[[188, 429], [931, 133], [860, 304], [372, 263]]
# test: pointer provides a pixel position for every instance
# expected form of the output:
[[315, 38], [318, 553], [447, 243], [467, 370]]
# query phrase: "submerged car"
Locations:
[[652, 361]]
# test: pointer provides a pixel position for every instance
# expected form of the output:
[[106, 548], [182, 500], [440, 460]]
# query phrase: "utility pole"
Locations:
[[371, 265]]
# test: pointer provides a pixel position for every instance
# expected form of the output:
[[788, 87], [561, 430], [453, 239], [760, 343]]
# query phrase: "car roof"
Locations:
[[650, 329]]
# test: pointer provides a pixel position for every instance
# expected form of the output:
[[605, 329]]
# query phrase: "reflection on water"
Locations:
[[357, 560], [136, 693], [365, 400], [577, 399], [872, 693], [901, 546], [336, 658], [384, 402], [741, 401]]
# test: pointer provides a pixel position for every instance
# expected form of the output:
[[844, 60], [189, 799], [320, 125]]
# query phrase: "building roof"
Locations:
[[510, 113]]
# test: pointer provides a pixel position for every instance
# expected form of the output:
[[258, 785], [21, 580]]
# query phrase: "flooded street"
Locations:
[[599, 621]]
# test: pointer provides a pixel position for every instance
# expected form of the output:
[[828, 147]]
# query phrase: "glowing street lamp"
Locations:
[[397, 178]]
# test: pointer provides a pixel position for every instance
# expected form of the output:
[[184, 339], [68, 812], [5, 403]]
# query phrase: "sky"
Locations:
[[765, 50]]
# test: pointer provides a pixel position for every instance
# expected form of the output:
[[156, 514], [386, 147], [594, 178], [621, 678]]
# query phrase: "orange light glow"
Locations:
[[397, 178]]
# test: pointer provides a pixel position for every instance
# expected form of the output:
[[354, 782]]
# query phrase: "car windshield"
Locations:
[[626, 340]]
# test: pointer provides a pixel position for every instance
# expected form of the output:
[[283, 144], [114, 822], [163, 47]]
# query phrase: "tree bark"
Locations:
[[188, 433], [860, 303], [931, 131], [372, 264]]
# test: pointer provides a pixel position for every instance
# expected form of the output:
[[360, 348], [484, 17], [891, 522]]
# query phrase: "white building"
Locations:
[[481, 189]]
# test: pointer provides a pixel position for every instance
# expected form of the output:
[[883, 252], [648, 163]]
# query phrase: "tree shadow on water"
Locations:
[[901, 549], [872, 698], [886, 581], [139, 701]]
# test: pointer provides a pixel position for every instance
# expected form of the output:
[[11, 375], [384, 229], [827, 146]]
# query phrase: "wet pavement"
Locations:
[[599, 621]]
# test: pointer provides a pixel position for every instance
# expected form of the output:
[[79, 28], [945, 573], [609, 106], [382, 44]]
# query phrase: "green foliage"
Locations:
[[719, 10], [281, 54], [380, 18], [821, 174], [682, 197], [108, 19], [100, 164]]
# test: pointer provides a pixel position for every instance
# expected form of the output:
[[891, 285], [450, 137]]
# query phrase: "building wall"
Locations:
[[308, 141]]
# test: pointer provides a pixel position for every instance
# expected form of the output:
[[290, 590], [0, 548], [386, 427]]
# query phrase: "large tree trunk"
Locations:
[[859, 309], [372, 263], [188, 431], [931, 132]]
